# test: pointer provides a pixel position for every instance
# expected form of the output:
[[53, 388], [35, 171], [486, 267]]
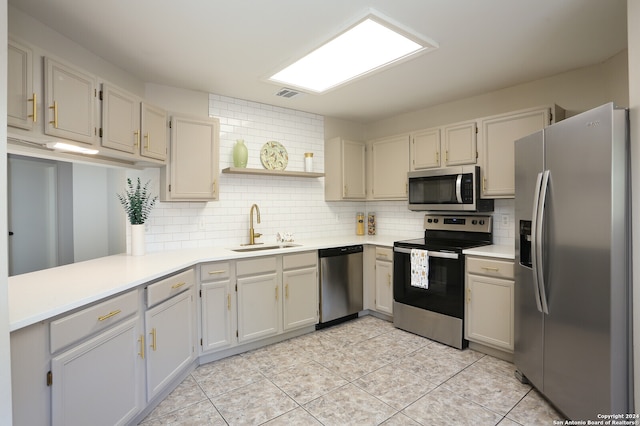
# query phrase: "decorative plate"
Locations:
[[274, 156]]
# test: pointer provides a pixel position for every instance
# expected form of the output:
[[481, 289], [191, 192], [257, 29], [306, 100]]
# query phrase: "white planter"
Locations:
[[137, 240]]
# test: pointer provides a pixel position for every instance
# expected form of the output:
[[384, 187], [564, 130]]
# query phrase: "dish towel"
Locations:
[[419, 268]]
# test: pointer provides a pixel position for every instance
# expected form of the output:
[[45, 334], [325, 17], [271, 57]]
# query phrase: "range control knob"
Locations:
[[481, 222], [435, 220], [429, 220], [474, 222]]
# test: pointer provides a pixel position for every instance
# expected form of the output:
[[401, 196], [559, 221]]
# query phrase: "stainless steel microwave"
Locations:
[[447, 189]]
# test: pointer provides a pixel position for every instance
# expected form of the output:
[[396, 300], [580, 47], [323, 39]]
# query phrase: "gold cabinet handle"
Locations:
[[446, 157], [286, 291], [217, 271], [437, 157], [484, 184], [141, 340], [153, 339], [34, 113], [492, 269], [383, 255], [389, 276], [178, 285], [276, 292], [147, 139], [468, 295], [345, 191], [229, 302], [55, 114], [136, 142], [109, 315]]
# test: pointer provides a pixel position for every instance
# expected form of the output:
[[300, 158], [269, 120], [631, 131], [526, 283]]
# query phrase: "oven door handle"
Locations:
[[430, 253]]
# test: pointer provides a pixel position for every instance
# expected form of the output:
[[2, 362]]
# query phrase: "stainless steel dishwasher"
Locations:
[[340, 284]]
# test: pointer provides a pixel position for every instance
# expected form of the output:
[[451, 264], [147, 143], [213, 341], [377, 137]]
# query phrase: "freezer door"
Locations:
[[528, 352], [579, 352]]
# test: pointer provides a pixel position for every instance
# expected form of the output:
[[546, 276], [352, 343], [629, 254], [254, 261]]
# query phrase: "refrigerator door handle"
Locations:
[[534, 241], [540, 224], [459, 189]]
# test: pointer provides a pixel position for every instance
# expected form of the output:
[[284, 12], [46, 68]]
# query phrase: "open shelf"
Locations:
[[265, 172]]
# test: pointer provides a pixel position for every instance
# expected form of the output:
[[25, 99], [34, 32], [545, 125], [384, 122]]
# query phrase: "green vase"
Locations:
[[240, 154]]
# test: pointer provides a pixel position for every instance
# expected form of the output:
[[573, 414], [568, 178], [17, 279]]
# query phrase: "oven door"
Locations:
[[445, 292]]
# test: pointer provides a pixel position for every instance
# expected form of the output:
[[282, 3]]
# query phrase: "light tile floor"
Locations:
[[363, 372]]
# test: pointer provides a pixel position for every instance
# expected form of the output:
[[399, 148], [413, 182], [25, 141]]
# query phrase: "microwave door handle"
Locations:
[[459, 189], [534, 241], [539, 254]]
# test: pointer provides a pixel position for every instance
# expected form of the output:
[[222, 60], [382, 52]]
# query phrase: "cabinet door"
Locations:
[[390, 159], [70, 107], [300, 298], [120, 120], [497, 136], [425, 149], [193, 164], [489, 310], [154, 132], [460, 143], [259, 301], [169, 330], [384, 286], [99, 382], [21, 99], [353, 170], [217, 311]]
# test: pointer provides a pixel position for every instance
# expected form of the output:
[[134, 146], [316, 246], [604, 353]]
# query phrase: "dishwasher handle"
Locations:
[[340, 251]]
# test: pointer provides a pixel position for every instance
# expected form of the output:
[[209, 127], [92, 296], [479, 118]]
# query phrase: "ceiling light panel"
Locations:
[[368, 46]]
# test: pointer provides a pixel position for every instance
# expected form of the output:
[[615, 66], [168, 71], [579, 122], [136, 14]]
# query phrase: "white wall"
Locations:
[[5, 354]]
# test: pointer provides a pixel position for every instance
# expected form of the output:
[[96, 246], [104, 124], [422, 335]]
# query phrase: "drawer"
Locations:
[[168, 287], [384, 253], [300, 260], [490, 267], [214, 271], [84, 323], [256, 266]]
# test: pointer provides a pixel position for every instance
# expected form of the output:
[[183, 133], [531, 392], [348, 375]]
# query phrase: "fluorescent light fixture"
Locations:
[[367, 46], [61, 146]]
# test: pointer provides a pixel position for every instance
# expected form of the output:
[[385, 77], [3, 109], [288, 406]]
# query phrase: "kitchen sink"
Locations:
[[265, 247]]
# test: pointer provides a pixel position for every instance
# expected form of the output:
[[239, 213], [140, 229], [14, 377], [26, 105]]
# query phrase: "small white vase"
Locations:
[[137, 240]]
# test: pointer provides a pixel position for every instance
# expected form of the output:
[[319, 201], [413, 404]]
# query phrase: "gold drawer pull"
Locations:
[[383, 255], [109, 315], [276, 292], [137, 139], [389, 277], [55, 114], [147, 138], [34, 114], [229, 302], [178, 285], [153, 339], [218, 271], [141, 340], [488, 268], [286, 291]]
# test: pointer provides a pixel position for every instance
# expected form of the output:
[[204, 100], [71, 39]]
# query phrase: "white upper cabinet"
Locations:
[[120, 120], [70, 102], [460, 143], [344, 166], [154, 132], [496, 142], [390, 164], [425, 149], [192, 174], [22, 107]]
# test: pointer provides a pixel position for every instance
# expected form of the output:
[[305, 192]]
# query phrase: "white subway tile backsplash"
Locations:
[[294, 205]]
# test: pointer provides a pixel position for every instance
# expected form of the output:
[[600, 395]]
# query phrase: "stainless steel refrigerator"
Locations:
[[573, 276]]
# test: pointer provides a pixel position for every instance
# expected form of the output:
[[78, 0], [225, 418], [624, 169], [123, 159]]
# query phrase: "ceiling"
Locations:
[[230, 47]]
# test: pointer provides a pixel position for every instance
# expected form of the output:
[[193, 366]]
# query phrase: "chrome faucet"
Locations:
[[252, 234]]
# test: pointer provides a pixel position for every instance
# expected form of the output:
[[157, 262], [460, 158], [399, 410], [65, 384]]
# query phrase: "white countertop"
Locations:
[[41, 295], [499, 251]]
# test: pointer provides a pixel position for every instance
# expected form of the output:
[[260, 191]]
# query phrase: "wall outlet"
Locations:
[[505, 220]]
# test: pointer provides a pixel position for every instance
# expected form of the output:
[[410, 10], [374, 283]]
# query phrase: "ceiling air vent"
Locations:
[[288, 93]]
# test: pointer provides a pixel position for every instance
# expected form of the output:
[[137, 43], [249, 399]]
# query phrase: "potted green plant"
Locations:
[[138, 203]]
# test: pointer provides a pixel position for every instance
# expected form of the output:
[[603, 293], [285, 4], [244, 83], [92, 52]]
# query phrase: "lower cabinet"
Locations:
[[300, 280], [169, 330], [217, 302], [384, 280], [259, 298], [99, 382], [490, 302]]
